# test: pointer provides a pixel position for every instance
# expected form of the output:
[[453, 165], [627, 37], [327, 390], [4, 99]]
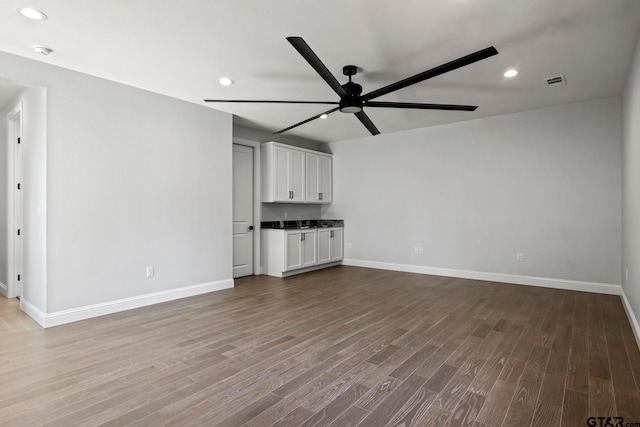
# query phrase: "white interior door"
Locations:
[[18, 254], [242, 210], [15, 223]]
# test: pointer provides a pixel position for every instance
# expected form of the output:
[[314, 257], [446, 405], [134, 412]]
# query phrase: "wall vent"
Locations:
[[557, 80]]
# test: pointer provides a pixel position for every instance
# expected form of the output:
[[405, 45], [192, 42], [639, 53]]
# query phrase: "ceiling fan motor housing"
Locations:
[[352, 101]]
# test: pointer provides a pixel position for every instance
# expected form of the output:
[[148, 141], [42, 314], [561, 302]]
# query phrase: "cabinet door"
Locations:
[[325, 178], [281, 191], [319, 178], [297, 175], [313, 178], [293, 250], [309, 248], [337, 244], [324, 245]]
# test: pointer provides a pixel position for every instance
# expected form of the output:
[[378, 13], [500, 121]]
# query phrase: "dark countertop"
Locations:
[[302, 224]]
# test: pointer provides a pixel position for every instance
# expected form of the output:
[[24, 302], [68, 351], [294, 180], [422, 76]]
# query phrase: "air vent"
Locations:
[[557, 80]]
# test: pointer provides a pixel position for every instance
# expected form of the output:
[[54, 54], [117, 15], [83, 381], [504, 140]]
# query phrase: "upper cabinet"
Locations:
[[283, 173], [319, 178], [295, 175]]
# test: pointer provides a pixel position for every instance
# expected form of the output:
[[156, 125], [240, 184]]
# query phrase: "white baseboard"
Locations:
[[573, 285], [32, 311], [635, 326], [3, 289], [95, 310]]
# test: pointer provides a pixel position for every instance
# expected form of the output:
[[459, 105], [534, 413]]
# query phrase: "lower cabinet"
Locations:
[[286, 252], [301, 249], [329, 245]]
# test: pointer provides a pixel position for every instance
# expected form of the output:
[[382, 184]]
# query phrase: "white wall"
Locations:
[[278, 211], [265, 136], [631, 186], [546, 183], [34, 200], [133, 179]]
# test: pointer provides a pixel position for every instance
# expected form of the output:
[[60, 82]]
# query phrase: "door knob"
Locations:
[[251, 228]]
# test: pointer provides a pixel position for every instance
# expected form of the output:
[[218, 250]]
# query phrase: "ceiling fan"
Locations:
[[350, 93]]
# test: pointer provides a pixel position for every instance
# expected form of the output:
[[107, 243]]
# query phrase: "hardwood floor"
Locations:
[[344, 346]]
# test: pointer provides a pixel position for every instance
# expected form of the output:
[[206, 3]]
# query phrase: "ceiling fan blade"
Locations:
[[271, 102], [303, 48], [445, 68], [366, 121], [306, 121], [421, 106]]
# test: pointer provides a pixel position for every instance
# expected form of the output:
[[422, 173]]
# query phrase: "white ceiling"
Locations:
[[181, 47]]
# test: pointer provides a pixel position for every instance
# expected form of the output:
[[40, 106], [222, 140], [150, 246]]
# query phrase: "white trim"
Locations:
[[633, 320], [3, 289], [601, 288], [95, 310], [33, 312]]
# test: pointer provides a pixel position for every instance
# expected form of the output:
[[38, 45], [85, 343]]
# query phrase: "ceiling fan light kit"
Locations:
[[351, 98]]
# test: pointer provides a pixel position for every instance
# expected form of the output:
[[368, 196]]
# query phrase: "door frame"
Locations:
[[257, 200], [14, 212]]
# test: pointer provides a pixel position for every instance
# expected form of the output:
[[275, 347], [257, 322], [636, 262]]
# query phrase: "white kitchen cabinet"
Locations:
[[283, 173], [287, 252], [295, 175], [300, 249], [319, 178], [330, 245]]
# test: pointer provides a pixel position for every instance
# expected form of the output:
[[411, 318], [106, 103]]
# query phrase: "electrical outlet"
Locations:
[[149, 271], [348, 245], [519, 257], [415, 250], [421, 250]]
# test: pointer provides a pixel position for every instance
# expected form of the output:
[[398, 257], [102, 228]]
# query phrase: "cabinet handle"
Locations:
[[302, 236], [319, 196], [291, 194], [331, 234]]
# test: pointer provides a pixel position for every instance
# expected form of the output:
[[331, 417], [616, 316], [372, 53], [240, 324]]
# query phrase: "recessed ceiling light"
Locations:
[[42, 49], [225, 81], [323, 116], [32, 13], [511, 73]]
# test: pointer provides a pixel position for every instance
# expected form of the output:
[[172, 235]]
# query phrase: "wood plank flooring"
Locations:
[[344, 346]]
